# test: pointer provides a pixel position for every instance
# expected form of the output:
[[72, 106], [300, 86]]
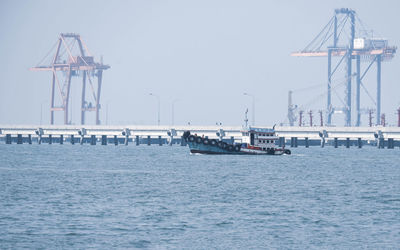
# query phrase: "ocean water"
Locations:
[[82, 196]]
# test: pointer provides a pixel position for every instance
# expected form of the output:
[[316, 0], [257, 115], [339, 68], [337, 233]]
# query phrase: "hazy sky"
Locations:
[[205, 54]]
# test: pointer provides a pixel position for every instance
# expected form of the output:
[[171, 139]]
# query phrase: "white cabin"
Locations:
[[264, 138]]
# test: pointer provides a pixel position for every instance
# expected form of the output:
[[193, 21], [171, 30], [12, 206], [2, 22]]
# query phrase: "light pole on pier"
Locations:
[[158, 108], [253, 107]]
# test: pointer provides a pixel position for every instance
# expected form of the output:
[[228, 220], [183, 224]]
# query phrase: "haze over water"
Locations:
[[64, 196], [205, 54]]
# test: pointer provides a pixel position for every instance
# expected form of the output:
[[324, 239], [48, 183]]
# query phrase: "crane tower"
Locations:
[[349, 48], [73, 59]]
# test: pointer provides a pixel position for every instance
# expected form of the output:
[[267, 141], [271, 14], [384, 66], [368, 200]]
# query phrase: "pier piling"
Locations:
[[183, 141], [115, 140], [347, 142], [30, 139], [92, 140], [19, 139], [137, 140], [126, 133], [307, 142], [72, 139], [8, 139], [359, 143], [50, 139], [159, 141], [281, 141], [61, 139], [390, 143], [103, 140], [148, 140], [381, 142], [335, 142]]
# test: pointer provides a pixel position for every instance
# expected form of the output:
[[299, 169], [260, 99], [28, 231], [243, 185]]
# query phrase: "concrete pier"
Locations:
[[307, 136]]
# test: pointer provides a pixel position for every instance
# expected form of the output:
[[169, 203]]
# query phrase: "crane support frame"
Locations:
[[350, 53], [82, 62]]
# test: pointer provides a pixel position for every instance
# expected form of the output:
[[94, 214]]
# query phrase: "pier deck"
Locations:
[[144, 134]]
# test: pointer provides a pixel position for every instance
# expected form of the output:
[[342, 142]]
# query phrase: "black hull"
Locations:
[[200, 145], [206, 152]]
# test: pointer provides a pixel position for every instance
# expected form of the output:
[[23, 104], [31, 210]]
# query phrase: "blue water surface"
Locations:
[[82, 196]]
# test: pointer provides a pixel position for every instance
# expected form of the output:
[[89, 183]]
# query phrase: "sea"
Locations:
[[162, 197]]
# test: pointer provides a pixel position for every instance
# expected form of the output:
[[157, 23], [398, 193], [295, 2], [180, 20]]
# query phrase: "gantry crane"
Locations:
[[67, 63], [374, 50]]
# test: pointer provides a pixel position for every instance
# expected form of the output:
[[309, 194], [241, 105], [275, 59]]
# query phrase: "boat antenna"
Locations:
[[246, 120]]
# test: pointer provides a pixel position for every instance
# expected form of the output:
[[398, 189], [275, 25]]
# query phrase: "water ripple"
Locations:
[[68, 196]]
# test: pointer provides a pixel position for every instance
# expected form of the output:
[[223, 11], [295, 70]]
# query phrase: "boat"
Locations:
[[255, 141]]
